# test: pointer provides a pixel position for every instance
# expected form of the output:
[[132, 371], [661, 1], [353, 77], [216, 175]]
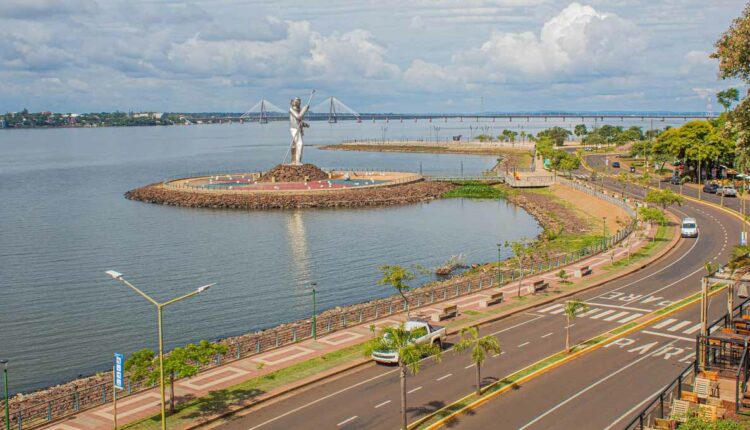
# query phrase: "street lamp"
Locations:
[[4, 362], [159, 307], [315, 313], [604, 233]]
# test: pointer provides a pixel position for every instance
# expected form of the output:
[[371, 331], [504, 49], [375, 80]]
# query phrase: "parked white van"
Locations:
[[689, 227]]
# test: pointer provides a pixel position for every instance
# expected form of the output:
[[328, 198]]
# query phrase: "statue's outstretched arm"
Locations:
[[304, 110]]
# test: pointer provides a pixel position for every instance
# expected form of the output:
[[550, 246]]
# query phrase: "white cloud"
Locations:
[[417, 23], [40, 9], [349, 55], [699, 58], [577, 40]]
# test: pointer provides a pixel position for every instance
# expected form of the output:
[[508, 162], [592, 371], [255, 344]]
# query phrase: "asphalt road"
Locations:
[[369, 397]]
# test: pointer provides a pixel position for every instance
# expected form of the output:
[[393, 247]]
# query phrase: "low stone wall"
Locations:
[[374, 196]]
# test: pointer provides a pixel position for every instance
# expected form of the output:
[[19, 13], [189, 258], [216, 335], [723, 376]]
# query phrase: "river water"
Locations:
[[64, 221]]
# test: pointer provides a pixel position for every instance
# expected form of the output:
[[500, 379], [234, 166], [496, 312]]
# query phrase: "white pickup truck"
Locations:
[[433, 335]]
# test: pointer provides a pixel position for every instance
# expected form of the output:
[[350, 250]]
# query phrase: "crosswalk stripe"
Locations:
[[693, 329], [630, 318], [665, 323], [557, 311], [602, 314], [615, 316], [679, 326], [590, 312], [558, 305]]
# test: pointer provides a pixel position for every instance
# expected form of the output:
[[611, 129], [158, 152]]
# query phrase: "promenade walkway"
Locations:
[[146, 403]]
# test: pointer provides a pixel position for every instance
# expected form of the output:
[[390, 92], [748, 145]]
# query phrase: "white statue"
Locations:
[[296, 128]]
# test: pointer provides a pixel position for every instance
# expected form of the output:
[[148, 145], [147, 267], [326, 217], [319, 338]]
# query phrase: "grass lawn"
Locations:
[[476, 190]]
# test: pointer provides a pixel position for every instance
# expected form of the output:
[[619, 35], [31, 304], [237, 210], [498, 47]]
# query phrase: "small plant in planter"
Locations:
[[563, 275]]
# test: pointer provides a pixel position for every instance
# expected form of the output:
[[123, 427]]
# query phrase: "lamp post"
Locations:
[[315, 313], [159, 308], [499, 259], [7, 398], [604, 233]]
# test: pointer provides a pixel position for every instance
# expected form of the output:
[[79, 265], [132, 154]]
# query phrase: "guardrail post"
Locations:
[[76, 403], [457, 291], [239, 350], [360, 315], [20, 420], [329, 325], [432, 295], [343, 318], [257, 346], [49, 411], [104, 394], [277, 339], [294, 334]]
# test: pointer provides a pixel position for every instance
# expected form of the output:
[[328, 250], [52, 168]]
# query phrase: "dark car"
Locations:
[[616, 164], [710, 188], [632, 169], [675, 180]]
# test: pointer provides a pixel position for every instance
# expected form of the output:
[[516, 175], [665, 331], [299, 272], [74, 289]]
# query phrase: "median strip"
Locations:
[[472, 401]]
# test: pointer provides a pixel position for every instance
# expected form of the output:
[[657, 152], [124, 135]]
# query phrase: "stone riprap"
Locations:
[[371, 196], [292, 173]]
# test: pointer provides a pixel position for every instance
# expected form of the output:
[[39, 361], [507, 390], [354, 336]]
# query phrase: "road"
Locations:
[[369, 397], [606, 388]]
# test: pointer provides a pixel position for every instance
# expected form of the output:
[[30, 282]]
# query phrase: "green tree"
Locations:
[[397, 277], [521, 250], [479, 347], [409, 352], [573, 308], [184, 362], [187, 362], [728, 97], [664, 198], [652, 215], [569, 162], [556, 134], [580, 130], [623, 178], [696, 423]]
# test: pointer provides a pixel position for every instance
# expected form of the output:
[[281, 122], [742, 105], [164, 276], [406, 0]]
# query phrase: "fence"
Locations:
[[170, 183], [447, 140], [660, 406], [98, 391]]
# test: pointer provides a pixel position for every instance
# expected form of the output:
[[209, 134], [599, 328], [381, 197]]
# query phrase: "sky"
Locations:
[[375, 56]]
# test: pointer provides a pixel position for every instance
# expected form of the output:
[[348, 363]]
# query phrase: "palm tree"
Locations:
[[410, 355], [572, 309], [479, 346]]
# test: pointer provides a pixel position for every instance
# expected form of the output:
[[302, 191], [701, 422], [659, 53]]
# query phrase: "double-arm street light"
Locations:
[[7, 398], [159, 307]]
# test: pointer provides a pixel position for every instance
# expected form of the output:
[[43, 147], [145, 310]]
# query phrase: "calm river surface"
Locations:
[[64, 221]]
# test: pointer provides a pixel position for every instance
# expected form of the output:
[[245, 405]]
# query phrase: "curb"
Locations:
[[346, 368], [553, 366]]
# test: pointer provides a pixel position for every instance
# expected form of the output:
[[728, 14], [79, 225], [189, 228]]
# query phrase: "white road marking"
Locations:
[[635, 408], [382, 404], [616, 316], [546, 335], [348, 420], [444, 376], [671, 336], [665, 323], [517, 325], [596, 317], [549, 308], [630, 318], [590, 312], [469, 366], [679, 326], [627, 308], [414, 390], [557, 311], [594, 385], [523, 344], [693, 329]]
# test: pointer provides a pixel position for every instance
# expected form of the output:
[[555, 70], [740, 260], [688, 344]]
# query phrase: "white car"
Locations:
[[433, 335], [689, 228], [726, 191]]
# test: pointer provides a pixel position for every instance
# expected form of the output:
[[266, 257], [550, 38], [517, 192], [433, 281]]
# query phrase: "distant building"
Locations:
[[3, 124]]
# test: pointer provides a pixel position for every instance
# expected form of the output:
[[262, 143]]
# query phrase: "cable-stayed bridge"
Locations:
[[334, 110]]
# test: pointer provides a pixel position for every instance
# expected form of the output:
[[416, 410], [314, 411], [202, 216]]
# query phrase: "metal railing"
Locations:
[[31, 414]]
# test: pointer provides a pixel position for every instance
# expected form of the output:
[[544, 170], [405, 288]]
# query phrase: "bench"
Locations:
[[582, 271], [704, 387], [448, 311], [537, 286], [492, 299]]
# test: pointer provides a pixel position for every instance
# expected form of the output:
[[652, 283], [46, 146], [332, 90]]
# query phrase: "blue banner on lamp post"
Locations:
[[118, 370]]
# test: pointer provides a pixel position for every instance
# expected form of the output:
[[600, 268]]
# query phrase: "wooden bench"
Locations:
[[664, 424], [448, 311], [492, 299], [582, 271], [689, 396]]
